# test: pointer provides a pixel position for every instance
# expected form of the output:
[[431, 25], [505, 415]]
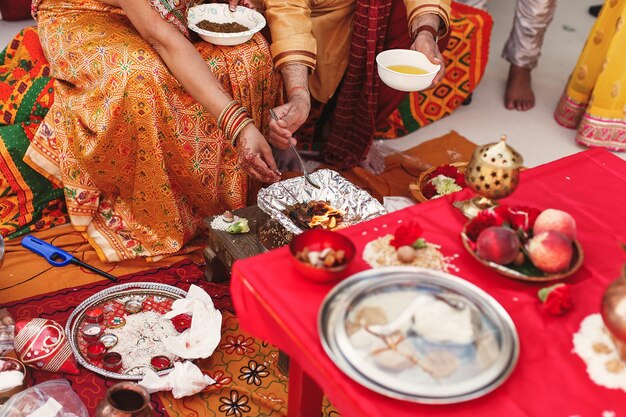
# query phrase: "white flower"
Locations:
[[445, 185]]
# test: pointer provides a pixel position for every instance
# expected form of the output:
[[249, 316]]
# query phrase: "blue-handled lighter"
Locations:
[[58, 257]]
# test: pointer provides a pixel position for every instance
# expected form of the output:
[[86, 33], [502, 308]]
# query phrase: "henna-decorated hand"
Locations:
[[255, 155]]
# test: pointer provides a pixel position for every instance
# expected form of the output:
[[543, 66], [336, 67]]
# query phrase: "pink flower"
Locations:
[[556, 299]]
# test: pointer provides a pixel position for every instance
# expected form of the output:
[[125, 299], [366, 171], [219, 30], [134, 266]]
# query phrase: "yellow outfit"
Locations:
[[594, 101], [317, 34]]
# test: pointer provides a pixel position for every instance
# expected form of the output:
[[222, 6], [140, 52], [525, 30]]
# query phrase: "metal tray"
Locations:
[[142, 290], [340, 193], [409, 297]]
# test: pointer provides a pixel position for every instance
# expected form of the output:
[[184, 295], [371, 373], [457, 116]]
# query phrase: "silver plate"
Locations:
[[420, 369], [124, 292], [340, 193]]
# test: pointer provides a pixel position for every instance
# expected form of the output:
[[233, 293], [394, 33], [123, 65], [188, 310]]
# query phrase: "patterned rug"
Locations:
[[248, 381]]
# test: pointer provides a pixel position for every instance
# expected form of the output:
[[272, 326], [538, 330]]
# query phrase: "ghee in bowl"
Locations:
[[406, 70]]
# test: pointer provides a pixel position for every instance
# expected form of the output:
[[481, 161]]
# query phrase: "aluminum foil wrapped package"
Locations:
[[357, 204]]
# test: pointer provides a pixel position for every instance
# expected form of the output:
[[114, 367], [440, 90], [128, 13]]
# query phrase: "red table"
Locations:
[[276, 304]]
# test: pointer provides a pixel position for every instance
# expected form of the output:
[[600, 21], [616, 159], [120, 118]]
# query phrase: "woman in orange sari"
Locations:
[[149, 132]]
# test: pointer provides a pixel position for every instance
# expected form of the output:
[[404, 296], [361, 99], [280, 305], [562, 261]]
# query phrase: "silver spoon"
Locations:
[[304, 171]]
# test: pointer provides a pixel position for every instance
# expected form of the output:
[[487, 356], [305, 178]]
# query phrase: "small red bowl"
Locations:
[[318, 240]]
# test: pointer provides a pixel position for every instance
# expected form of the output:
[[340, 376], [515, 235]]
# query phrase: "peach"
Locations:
[[498, 244], [550, 251], [557, 220]]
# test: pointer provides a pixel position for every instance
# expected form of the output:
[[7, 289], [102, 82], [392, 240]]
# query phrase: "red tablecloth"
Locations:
[[274, 303]]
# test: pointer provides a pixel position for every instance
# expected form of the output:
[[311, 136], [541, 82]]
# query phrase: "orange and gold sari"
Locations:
[[140, 161]]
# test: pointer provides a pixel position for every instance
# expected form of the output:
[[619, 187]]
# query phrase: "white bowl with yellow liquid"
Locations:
[[406, 70]]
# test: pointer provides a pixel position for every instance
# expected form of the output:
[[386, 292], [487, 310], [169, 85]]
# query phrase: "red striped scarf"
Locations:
[[355, 115]]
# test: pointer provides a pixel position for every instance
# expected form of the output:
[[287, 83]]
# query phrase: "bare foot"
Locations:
[[374, 162], [519, 93]]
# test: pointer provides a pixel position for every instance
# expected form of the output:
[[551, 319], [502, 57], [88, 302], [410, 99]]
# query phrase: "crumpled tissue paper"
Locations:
[[201, 339], [186, 379]]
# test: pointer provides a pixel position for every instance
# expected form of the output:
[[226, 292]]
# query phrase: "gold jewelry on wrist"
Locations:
[[239, 128], [225, 110], [233, 121]]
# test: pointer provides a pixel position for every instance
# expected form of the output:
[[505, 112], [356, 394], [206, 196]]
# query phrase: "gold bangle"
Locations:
[[234, 120], [239, 128], [225, 110]]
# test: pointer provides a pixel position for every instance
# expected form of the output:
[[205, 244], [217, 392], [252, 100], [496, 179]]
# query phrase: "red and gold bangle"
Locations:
[[297, 87], [230, 121], [233, 122], [224, 115], [239, 128]]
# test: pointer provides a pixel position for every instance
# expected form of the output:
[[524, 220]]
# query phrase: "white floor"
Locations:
[[534, 134]]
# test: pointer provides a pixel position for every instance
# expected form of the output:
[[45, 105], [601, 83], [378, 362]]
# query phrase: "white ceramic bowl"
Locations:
[[219, 13], [401, 81]]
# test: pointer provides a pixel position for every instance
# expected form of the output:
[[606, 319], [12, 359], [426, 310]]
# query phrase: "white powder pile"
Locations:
[[437, 321], [379, 252], [593, 344], [141, 338], [218, 223]]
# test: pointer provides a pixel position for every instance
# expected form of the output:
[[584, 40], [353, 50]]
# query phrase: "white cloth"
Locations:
[[186, 379], [201, 339], [394, 203], [10, 379]]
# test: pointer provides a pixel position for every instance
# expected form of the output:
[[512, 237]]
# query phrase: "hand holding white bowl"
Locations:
[[394, 63]]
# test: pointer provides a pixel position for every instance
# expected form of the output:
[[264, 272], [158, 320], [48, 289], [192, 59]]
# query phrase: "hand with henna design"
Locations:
[[255, 155]]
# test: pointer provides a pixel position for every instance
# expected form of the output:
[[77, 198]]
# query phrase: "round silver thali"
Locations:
[[417, 334], [120, 293]]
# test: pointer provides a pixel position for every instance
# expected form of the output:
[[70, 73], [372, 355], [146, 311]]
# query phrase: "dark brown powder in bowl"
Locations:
[[233, 27]]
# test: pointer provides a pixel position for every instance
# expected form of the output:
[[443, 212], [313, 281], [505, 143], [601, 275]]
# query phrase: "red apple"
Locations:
[[550, 251], [498, 244], [557, 220]]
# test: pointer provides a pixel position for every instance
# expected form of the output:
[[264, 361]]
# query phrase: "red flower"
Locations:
[[483, 220], [445, 170], [429, 190], [406, 234], [519, 217], [556, 299]]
